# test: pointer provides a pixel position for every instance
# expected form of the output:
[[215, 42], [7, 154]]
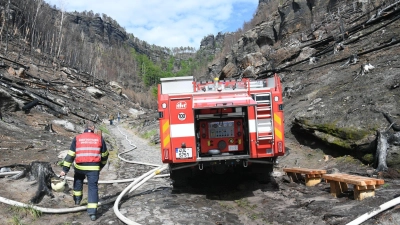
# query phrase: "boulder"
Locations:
[[249, 72], [95, 92], [66, 124], [253, 59], [11, 71], [228, 71], [116, 87], [21, 73]]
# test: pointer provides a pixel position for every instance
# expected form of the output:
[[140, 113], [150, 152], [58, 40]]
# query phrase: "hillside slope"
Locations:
[[320, 50]]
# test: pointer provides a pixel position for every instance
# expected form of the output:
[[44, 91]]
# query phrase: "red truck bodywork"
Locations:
[[227, 122]]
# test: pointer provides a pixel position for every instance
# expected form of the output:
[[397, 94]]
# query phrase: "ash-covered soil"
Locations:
[[215, 199]]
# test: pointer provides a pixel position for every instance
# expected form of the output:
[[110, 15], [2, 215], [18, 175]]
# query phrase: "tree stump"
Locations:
[[42, 173]]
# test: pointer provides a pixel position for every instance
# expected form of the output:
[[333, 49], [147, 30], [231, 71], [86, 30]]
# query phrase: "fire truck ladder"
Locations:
[[263, 110]]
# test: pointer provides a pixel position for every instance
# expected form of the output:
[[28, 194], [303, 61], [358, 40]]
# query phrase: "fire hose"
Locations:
[[375, 211], [136, 182]]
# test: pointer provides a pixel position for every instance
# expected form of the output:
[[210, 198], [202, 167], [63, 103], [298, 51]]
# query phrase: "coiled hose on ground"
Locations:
[[136, 182]]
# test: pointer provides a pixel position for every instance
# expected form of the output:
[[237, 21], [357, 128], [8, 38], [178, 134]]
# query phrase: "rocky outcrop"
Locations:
[[96, 29], [332, 99], [211, 45], [7, 103], [95, 92], [116, 87]]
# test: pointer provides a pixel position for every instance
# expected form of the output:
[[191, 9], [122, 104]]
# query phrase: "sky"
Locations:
[[169, 23]]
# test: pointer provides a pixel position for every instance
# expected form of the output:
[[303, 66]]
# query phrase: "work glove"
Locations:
[[62, 173]]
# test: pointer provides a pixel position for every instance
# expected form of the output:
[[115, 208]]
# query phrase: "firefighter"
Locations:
[[111, 118], [89, 151]]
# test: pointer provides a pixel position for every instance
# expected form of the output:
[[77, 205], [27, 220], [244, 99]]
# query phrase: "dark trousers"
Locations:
[[93, 189]]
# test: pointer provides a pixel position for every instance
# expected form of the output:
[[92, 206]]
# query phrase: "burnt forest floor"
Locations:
[[216, 200]]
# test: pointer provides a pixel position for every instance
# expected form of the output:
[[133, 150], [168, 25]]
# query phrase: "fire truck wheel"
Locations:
[[262, 172], [180, 178]]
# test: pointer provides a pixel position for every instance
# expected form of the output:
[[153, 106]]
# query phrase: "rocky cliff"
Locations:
[[96, 29], [338, 61]]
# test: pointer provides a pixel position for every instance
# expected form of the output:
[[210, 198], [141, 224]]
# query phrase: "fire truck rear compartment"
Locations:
[[222, 147], [222, 127], [221, 133]]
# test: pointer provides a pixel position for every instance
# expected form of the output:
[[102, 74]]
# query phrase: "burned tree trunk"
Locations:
[[30, 105], [42, 173], [381, 152], [386, 139], [392, 123]]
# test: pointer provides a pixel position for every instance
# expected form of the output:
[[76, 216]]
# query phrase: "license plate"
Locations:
[[183, 153], [233, 148]]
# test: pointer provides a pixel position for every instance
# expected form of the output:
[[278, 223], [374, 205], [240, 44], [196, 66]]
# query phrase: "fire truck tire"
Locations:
[[180, 178], [262, 172]]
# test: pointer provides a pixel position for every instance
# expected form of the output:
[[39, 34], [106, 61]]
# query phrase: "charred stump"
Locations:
[[49, 127], [42, 173], [381, 152]]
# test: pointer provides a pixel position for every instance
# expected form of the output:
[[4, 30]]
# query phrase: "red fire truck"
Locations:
[[220, 125]]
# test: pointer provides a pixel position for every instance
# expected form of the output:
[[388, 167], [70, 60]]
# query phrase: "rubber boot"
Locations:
[[77, 200]]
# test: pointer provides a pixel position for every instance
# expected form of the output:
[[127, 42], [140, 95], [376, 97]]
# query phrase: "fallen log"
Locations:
[[30, 105], [49, 104], [392, 123], [15, 62]]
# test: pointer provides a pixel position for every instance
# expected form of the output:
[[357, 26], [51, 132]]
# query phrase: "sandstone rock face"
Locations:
[[211, 45], [97, 29], [329, 100], [250, 49], [207, 42]]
